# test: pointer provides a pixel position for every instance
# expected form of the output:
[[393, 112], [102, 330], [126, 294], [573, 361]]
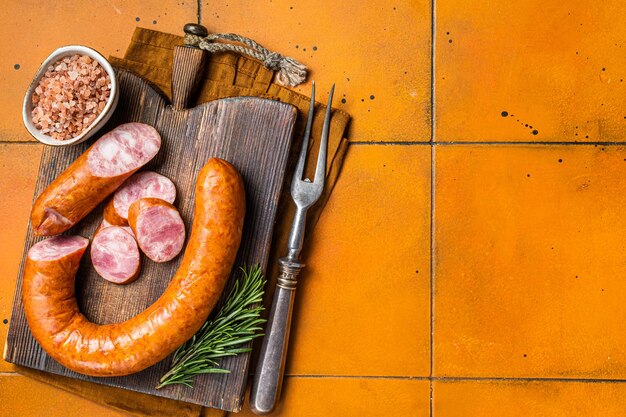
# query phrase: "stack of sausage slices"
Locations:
[[139, 216]]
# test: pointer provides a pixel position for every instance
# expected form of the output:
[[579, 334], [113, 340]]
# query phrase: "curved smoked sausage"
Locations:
[[98, 172], [131, 346]]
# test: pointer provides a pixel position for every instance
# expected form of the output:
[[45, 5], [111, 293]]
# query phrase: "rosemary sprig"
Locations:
[[237, 322]]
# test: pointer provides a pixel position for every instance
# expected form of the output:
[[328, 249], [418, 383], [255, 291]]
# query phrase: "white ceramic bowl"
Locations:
[[102, 118]]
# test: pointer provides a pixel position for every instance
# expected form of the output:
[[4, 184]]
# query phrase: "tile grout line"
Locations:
[[434, 378], [454, 378], [527, 379], [392, 143], [447, 143], [415, 143], [397, 377], [432, 205], [527, 143], [432, 275]]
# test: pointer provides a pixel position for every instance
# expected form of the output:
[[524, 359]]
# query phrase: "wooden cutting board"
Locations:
[[254, 135]]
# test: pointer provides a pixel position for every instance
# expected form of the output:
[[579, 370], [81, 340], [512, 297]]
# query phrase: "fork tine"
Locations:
[[299, 171], [320, 169]]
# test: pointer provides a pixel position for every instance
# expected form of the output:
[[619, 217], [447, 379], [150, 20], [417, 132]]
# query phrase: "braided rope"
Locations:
[[290, 72]]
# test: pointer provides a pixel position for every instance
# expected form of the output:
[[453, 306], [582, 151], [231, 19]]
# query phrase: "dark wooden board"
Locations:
[[252, 133]]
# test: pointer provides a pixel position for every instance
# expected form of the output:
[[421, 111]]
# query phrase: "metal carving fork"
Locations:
[[268, 378]]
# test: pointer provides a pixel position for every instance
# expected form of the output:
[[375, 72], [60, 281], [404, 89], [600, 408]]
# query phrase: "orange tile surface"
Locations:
[[19, 164], [24, 397], [105, 26], [522, 399], [557, 66], [363, 303], [351, 397], [528, 240], [377, 52], [529, 252]]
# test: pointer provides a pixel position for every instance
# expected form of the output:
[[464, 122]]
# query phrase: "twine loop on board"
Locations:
[[290, 72]]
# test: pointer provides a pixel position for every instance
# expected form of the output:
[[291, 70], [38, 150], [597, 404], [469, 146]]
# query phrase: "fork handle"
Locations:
[[268, 378]]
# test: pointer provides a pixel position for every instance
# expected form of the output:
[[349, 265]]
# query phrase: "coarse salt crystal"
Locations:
[[70, 96]]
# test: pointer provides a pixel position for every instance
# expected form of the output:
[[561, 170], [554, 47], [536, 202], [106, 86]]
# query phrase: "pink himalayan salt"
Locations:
[[69, 97]]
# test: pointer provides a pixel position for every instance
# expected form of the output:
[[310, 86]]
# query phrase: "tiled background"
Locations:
[[471, 260]]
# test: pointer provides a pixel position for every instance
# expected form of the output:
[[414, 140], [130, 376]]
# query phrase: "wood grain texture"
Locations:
[[255, 136], [190, 63]]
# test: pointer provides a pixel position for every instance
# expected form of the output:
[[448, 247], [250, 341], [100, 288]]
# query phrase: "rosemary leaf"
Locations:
[[236, 323]]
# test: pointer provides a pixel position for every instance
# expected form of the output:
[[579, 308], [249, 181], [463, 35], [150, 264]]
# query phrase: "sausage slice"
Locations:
[[57, 248], [140, 185], [158, 228], [93, 176], [115, 255], [135, 344], [104, 223]]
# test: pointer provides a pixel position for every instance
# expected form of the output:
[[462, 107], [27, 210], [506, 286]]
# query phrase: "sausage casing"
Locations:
[[133, 345]]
